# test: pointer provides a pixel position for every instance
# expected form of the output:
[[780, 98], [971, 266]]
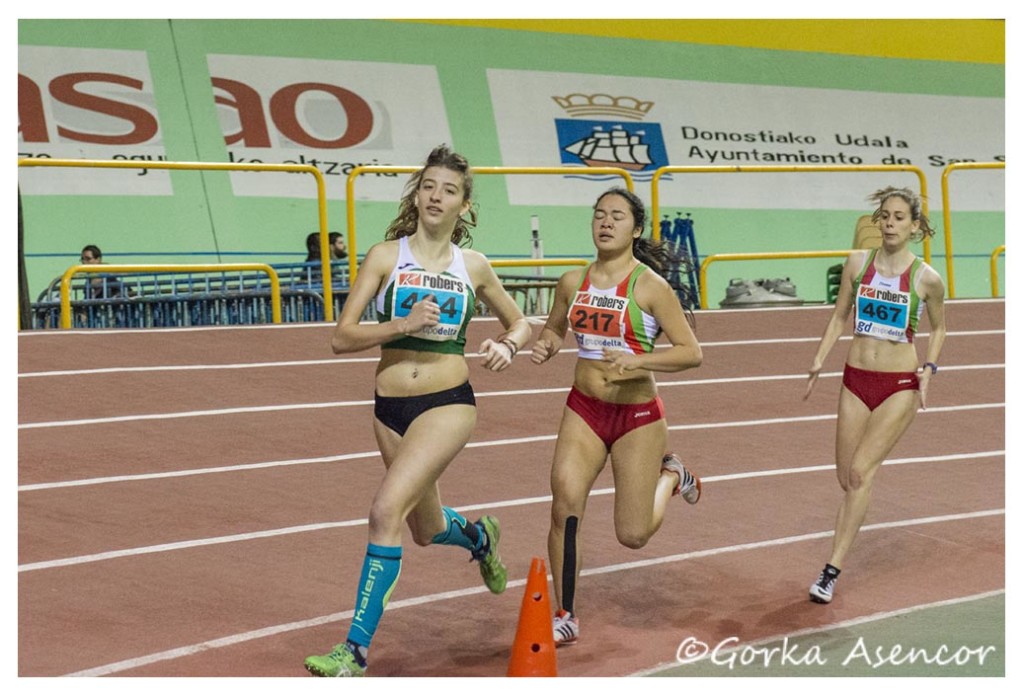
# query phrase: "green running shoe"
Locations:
[[492, 570], [340, 663]]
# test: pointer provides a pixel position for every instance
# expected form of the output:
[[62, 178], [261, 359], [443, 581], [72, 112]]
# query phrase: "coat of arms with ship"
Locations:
[[617, 140]]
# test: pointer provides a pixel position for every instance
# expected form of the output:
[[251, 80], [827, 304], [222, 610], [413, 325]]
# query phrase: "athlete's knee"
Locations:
[[632, 538], [860, 479], [855, 481], [563, 487], [383, 518], [563, 507]]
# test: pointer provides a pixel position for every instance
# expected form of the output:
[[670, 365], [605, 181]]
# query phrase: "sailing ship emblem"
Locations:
[[585, 138], [615, 149]]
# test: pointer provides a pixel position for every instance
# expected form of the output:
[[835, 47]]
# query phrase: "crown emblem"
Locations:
[[578, 105]]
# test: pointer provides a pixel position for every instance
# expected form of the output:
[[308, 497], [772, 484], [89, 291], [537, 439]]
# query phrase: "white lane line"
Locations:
[[369, 402], [518, 502], [488, 443], [268, 631], [179, 368], [374, 359], [323, 324], [196, 472]]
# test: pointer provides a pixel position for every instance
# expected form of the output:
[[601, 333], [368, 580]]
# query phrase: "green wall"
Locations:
[[204, 221]]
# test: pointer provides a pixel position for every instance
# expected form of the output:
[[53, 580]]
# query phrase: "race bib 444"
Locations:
[[449, 292]]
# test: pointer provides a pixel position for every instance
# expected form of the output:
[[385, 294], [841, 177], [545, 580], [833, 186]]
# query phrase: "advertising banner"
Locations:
[[88, 103], [642, 124], [331, 114]]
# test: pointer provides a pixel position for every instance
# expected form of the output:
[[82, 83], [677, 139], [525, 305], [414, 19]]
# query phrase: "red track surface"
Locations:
[[269, 524]]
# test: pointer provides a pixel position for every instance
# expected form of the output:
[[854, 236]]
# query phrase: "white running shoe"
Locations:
[[821, 591], [689, 485], [566, 628]]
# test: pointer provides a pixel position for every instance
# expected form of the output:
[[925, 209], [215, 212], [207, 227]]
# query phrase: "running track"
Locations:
[[193, 502]]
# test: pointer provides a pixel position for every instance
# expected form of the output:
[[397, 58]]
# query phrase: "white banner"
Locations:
[[642, 124], [88, 103], [334, 115]]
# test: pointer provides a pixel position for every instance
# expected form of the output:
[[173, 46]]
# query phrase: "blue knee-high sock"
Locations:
[[459, 532], [381, 568]]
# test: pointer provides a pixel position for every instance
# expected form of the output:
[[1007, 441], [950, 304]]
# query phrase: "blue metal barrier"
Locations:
[[145, 300]]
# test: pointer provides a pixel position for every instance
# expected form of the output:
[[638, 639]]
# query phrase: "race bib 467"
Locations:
[[882, 313]]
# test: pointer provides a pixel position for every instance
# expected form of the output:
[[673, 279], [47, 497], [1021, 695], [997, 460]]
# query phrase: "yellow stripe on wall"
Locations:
[[961, 40]]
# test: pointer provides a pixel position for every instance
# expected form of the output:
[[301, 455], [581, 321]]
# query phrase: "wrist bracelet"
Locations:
[[511, 345], [933, 366]]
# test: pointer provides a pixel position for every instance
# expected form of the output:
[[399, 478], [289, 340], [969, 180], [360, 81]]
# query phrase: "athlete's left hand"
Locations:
[[496, 355], [812, 379], [923, 377], [620, 360]]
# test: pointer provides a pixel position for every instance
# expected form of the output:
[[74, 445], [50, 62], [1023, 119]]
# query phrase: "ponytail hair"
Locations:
[[671, 264]]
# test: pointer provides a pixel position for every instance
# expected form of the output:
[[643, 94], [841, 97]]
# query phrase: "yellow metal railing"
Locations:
[[321, 195], [794, 169], [757, 257], [350, 198], [994, 268], [65, 280], [947, 218]]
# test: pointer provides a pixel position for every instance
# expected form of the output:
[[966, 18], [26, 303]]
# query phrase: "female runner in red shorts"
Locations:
[[616, 308], [887, 289]]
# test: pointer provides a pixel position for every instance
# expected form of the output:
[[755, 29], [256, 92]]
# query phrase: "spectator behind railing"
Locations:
[[98, 286], [336, 244], [101, 285], [149, 298]]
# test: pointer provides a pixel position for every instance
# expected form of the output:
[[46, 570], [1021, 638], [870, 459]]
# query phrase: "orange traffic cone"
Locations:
[[533, 652]]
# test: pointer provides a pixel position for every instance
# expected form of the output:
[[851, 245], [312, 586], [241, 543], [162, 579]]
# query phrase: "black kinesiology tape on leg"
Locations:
[[569, 564]]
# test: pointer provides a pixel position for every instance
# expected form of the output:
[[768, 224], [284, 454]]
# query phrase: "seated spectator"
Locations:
[[336, 244], [339, 271], [313, 247], [91, 254], [101, 285]]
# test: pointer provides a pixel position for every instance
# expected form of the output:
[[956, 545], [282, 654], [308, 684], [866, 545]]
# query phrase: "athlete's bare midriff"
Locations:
[[598, 379], [412, 373], [869, 353]]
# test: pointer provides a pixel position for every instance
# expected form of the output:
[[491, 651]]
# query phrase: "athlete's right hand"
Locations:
[[424, 313], [542, 351]]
